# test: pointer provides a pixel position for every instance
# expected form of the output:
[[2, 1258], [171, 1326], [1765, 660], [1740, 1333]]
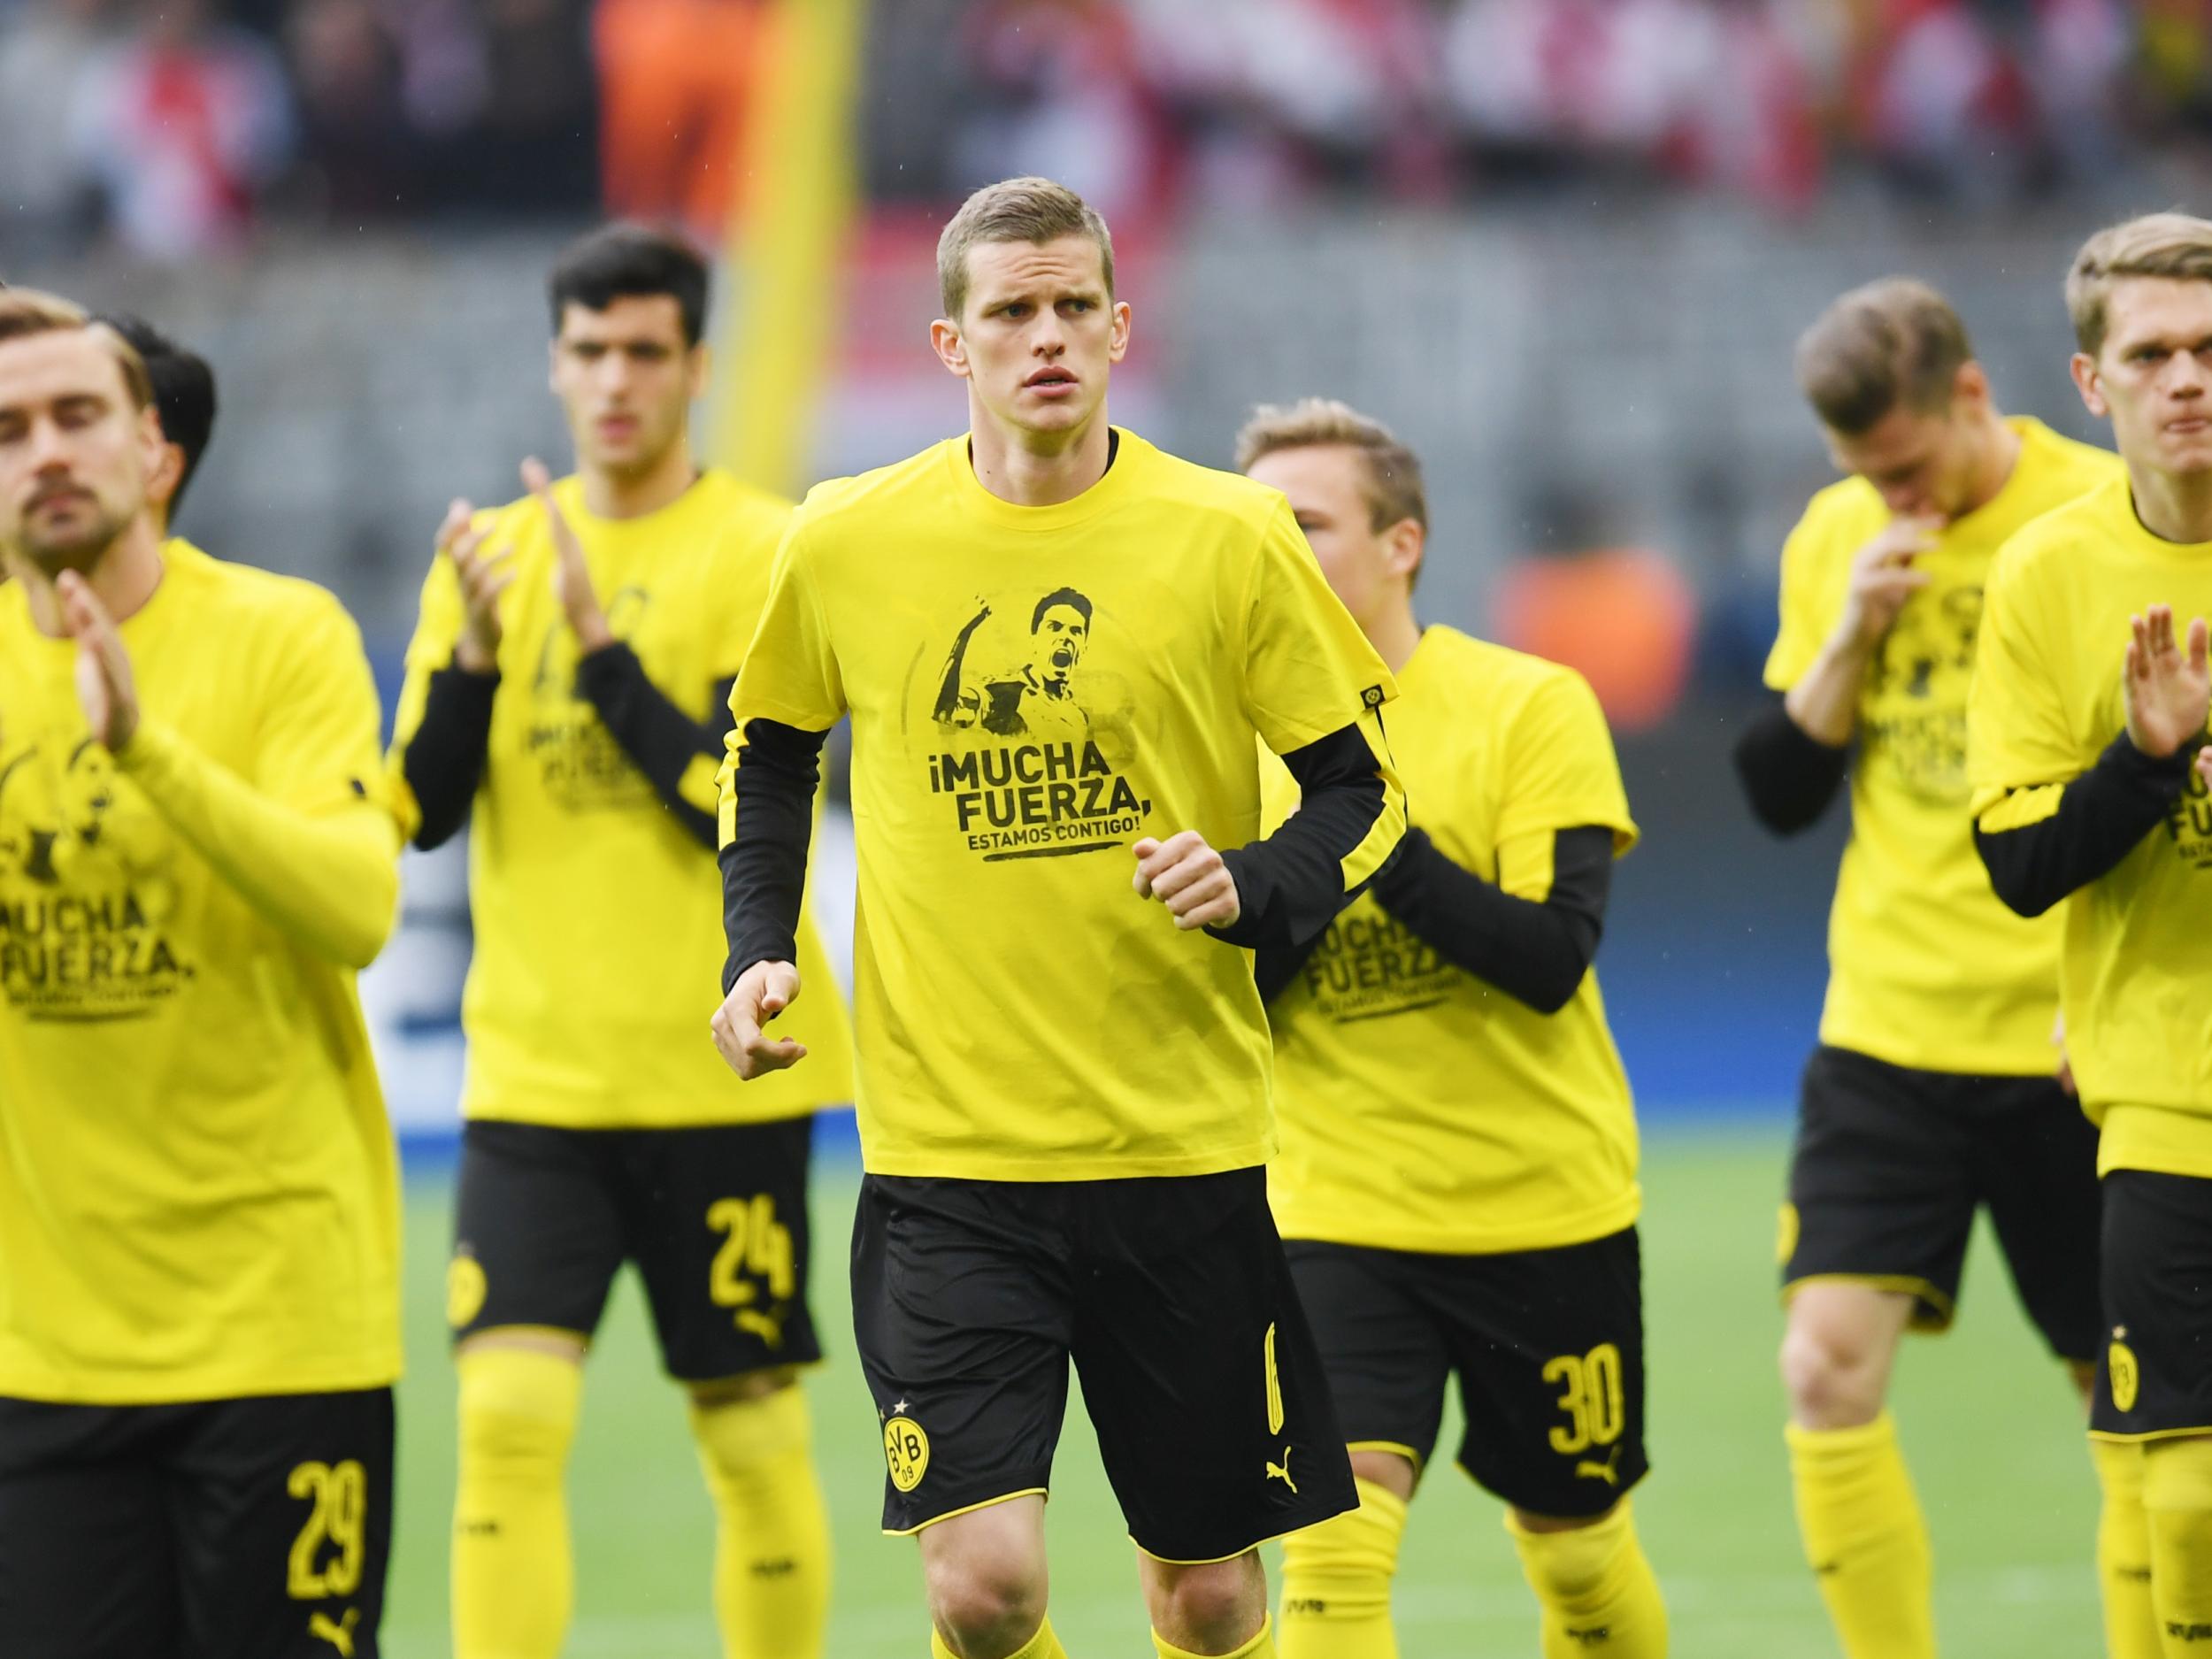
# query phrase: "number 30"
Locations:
[[1590, 1396]]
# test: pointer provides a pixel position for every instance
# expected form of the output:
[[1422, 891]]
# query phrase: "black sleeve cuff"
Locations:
[[1292, 882], [1789, 775]]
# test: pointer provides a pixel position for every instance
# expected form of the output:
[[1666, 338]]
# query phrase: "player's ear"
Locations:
[[1407, 544], [1118, 339], [1970, 385], [952, 351], [699, 370], [166, 472], [2088, 382]]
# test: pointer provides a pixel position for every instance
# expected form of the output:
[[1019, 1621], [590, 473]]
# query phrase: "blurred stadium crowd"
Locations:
[[174, 127]]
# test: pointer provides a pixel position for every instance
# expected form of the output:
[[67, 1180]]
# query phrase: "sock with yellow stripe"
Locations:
[[1596, 1589], [2178, 1501], [1865, 1538], [1336, 1582], [513, 1579], [1043, 1644], [2123, 1552], [1260, 1647], [771, 1546]]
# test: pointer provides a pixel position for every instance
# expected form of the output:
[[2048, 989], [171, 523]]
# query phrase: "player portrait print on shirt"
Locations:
[[87, 888], [581, 765], [1034, 737]]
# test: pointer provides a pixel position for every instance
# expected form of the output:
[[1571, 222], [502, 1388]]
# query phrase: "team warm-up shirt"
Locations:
[[1033, 689], [597, 915], [198, 1196], [2137, 973], [1421, 1108], [1926, 968]]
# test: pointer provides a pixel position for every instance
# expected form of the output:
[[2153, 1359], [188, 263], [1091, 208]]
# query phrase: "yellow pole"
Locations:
[[786, 239]]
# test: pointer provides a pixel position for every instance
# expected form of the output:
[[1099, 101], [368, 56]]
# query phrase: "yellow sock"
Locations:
[[1866, 1538], [2177, 1499], [1597, 1591], [1043, 1644], [1336, 1582], [513, 1580], [2123, 1552], [1260, 1647], [772, 1546]]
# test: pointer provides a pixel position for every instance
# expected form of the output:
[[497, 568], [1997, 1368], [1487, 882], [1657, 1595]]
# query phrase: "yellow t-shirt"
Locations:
[[1927, 969], [1421, 1109], [599, 948], [2136, 978], [1033, 689], [198, 1189]]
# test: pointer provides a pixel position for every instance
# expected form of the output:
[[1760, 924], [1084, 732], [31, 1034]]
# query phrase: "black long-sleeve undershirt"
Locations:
[[444, 761], [1290, 883], [763, 867], [1534, 950], [2102, 817], [1789, 775]]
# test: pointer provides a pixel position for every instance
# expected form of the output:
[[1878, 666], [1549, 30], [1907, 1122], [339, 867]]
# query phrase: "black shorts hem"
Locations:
[[1574, 1510], [2144, 1436], [1281, 1524], [1029, 1483], [1933, 1311]]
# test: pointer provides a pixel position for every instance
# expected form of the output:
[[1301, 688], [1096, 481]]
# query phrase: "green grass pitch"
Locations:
[[1989, 1421]]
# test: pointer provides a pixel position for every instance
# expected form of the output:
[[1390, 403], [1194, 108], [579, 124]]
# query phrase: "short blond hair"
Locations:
[[26, 312], [1394, 491], [1032, 210], [2156, 245], [1893, 341]]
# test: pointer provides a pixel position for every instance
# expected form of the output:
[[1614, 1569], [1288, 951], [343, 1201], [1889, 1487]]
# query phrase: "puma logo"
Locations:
[[767, 1326], [339, 1634], [1608, 1472], [1281, 1472]]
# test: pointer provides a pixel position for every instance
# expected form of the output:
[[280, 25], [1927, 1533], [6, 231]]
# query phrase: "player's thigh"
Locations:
[[718, 1225], [1882, 1183], [1549, 1349], [281, 1509], [963, 1317], [538, 1229], [2039, 1166], [2157, 1378], [1383, 1350], [1200, 1371], [86, 1567]]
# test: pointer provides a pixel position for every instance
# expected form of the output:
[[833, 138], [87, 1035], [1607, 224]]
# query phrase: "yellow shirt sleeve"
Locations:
[[1562, 773], [1807, 601], [2017, 735], [790, 674], [304, 839], [1309, 670]]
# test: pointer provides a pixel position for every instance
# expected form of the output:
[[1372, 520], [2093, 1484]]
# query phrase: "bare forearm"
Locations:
[[1824, 702]]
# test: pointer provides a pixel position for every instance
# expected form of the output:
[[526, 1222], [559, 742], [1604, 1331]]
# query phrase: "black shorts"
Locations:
[[1891, 1164], [2156, 1379], [715, 1218], [1549, 1347], [224, 1528], [1173, 1297]]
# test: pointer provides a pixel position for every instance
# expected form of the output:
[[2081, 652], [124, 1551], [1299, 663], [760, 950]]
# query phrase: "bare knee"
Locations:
[[1837, 1352], [986, 1579], [1215, 1606]]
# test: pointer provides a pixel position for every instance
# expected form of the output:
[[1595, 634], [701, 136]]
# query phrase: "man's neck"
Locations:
[[123, 578], [1030, 475], [609, 495], [2173, 507], [1999, 447], [1394, 634]]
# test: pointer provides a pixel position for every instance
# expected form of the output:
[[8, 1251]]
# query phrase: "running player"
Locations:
[[1065, 1093], [1457, 1184], [199, 1322], [1933, 1090], [566, 692], [2090, 697]]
